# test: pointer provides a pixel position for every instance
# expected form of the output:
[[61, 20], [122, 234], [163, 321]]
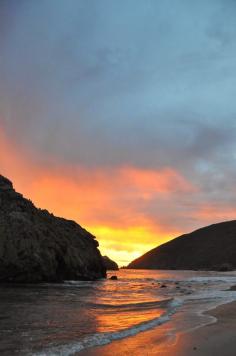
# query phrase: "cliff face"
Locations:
[[210, 248], [36, 246], [109, 264]]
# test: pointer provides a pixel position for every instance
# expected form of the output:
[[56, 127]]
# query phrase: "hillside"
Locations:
[[209, 248], [36, 246]]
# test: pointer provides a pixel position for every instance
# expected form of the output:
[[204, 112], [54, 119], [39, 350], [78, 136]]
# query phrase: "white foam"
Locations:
[[106, 338], [202, 298]]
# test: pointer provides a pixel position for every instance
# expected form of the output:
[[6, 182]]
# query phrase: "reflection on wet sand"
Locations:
[[132, 314]]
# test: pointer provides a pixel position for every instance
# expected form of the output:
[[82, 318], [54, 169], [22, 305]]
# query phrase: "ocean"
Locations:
[[64, 319]]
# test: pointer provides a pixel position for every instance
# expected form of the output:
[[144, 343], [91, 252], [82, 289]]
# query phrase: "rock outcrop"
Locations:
[[109, 264], [36, 246], [209, 248]]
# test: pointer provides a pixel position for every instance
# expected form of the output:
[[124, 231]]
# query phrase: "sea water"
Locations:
[[64, 319]]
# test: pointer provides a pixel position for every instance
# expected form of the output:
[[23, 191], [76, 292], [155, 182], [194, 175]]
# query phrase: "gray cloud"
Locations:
[[108, 83]]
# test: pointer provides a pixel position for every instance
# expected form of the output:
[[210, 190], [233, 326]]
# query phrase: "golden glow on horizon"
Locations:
[[94, 200], [107, 202], [124, 245]]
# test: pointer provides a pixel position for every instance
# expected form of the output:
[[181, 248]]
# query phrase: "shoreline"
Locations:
[[215, 338]]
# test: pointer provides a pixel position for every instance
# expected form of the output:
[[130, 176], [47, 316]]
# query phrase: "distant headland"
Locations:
[[209, 248]]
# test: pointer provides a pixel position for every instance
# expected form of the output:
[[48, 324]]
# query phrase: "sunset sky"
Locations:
[[121, 115]]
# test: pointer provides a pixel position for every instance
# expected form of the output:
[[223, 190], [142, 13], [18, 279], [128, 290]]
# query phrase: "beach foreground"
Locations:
[[142, 312], [216, 338]]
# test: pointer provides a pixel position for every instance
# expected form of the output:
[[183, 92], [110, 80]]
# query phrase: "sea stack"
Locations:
[[36, 246], [109, 264], [209, 248]]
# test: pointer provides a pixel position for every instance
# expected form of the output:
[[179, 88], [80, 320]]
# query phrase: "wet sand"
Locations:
[[218, 339]]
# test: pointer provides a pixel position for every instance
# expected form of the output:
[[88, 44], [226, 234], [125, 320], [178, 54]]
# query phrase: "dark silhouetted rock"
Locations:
[[109, 264], [36, 246], [209, 248], [225, 267], [114, 278]]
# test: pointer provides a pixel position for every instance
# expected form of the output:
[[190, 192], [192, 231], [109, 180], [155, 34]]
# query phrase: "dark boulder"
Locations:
[[36, 246], [225, 267]]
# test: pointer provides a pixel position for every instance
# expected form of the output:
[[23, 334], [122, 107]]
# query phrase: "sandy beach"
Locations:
[[217, 338]]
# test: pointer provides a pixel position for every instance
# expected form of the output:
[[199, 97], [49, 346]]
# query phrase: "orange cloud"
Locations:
[[149, 182], [106, 202], [115, 204], [212, 213]]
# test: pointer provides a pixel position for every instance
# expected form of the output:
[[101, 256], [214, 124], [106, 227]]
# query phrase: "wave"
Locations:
[[133, 306], [213, 279], [100, 339]]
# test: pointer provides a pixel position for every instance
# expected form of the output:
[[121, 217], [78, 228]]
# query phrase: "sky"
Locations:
[[121, 114]]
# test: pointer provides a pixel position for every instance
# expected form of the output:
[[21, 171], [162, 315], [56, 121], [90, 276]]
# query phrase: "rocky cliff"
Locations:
[[109, 264], [36, 246], [209, 248]]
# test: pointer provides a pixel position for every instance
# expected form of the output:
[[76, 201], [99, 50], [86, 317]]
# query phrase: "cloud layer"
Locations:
[[129, 106]]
